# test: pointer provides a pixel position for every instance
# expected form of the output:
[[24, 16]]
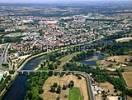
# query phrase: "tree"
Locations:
[[58, 89], [11, 71], [52, 89], [58, 62], [71, 84], [41, 91], [50, 73], [55, 85], [129, 92], [51, 67], [64, 87]]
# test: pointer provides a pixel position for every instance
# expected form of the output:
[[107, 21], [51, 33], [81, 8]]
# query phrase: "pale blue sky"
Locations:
[[52, 1]]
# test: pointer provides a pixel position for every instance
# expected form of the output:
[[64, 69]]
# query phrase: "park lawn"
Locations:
[[66, 59], [74, 94]]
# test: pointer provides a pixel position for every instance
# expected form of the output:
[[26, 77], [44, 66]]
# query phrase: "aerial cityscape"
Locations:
[[65, 50]]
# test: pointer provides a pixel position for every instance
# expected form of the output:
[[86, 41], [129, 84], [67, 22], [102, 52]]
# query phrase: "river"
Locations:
[[91, 60], [17, 91]]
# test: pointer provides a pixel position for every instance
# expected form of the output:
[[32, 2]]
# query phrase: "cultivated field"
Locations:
[[128, 78], [106, 86], [115, 61], [119, 59]]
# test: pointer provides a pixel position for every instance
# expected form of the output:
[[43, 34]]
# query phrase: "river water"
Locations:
[[91, 60], [18, 89]]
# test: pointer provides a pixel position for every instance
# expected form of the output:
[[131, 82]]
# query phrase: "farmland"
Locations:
[[128, 78]]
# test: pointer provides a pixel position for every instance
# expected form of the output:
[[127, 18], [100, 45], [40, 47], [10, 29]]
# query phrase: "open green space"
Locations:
[[34, 86], [74, 94], [66, 59]]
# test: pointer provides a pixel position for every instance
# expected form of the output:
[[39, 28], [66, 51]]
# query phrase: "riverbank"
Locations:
[[28, 59], [20, 66]]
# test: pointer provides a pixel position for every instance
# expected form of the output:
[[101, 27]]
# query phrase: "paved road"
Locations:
[[87, 78], [34, 43], [3, 58], [6, 52], [89, 84]]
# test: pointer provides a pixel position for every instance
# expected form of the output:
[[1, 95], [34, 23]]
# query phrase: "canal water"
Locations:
[[18, 89]]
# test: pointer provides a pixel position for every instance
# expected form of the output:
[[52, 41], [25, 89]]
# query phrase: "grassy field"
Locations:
[[63, 60], [66, 59], [74, 94], [80, 84]]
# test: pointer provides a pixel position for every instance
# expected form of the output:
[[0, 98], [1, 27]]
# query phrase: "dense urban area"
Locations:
[[65, 52]]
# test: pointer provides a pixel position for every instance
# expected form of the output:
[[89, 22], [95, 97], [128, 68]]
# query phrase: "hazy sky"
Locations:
[[52, 1]]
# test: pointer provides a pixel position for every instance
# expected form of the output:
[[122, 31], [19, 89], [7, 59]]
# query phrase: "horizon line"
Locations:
[[66, 2]]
